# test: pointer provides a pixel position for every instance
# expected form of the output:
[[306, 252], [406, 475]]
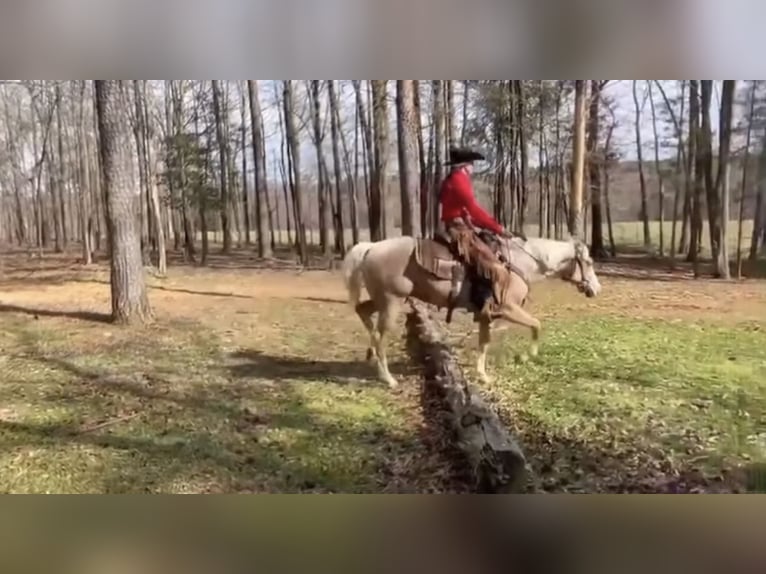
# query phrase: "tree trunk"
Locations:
[[86, 208], [558, 180], [438, 146], [542, 207], [159, 229], [322, 183], [660, 177], [424, 187], [578, 160], [595, 167], [723, 187], [449, 104], [759, 217], [521, 114], [641, 177], [284, 171], [291, 134], [405, 122], [224, 164], [62, 175], [259, 167], [245, 185], [679, 169], [696, 154], [464, 124], [178, 131], [369, 163], [339, 138], [378, 190], [745, 173], [706, 152], [607, 182], [169, 136], [130, 302]]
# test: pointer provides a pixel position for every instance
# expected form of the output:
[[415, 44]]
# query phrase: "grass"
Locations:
[[225, 393], [253, 380], [616, 403]]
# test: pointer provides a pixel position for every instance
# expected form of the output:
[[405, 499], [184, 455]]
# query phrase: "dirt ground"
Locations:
[[270, 326]]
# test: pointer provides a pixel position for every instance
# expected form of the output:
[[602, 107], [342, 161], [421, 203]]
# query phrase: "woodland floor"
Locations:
[[253, 379]]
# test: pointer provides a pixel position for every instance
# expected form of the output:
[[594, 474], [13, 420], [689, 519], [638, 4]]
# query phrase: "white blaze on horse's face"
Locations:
[[585, 273]]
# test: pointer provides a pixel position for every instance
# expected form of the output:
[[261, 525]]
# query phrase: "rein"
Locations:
[[522, 246]]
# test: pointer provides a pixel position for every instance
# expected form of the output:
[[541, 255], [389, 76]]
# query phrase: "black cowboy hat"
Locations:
[[464, 155]]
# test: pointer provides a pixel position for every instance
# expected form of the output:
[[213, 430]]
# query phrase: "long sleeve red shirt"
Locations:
[[458, 199]]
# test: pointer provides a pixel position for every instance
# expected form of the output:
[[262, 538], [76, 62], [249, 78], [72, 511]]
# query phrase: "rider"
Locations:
[[463, 217]]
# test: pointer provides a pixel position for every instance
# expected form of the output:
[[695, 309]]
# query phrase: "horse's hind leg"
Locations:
[[515, 314], [386, 322], [365, 311]]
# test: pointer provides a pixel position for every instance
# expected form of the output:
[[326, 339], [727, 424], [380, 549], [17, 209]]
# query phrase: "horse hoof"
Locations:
[[522, 359]]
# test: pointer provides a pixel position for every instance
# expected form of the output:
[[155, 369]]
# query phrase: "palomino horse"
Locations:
[[401, 267]]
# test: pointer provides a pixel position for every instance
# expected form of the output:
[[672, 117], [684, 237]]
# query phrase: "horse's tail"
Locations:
[[352, 271]]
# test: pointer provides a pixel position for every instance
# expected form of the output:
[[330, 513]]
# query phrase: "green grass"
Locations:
[[175, 408], [615, 404]]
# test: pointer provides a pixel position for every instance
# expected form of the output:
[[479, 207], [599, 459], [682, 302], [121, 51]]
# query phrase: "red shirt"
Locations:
[[458, 200]]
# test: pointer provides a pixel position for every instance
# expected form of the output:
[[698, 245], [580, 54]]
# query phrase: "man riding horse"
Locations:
[[464, 220]]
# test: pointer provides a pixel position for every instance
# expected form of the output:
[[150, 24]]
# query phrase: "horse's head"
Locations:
[[582, 272]]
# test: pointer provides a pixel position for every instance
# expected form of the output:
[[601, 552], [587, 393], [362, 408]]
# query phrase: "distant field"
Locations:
[[626, 234]]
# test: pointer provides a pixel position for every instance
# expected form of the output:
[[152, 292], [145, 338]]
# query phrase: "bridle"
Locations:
[[582, 284]]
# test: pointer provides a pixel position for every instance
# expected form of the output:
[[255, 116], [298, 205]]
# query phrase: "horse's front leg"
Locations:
[[485, 338], [515, 314]]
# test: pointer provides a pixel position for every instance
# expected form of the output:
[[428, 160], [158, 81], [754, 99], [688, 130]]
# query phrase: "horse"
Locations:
[[404, 267]]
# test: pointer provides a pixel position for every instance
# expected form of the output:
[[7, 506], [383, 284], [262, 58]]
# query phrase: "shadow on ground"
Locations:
[[258, 364], [159, 417], [36, 313]]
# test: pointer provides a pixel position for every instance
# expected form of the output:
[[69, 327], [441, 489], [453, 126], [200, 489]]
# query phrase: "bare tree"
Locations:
[[150, 173], [322, 179], [696, 155], [595, 168], [259, 166], [578, 160], [745, 173], [378, 188], [243, 144], [723, 179], [660, 175], [291, 134], [438, 144], [641, 177], [223, 152], [336, 134], [760, 201], [405, 121], [130, 301]]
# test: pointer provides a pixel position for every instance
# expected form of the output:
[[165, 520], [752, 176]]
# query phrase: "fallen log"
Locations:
[[496, 461]]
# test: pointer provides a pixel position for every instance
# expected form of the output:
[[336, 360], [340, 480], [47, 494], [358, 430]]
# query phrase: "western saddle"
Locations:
[[440, 258]]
